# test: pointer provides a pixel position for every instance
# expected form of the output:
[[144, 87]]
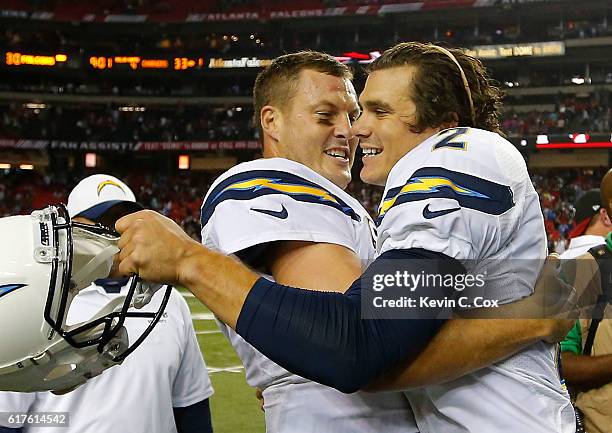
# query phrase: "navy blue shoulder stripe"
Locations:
[[436, 182], [8, 288], [251, 184]]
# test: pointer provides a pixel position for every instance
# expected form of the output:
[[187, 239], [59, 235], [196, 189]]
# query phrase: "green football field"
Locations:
[[234, 406]]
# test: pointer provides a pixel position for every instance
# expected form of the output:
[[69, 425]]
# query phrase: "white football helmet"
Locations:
[[46, 261]]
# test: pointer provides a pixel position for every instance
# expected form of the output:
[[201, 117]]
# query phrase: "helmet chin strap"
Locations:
[[98, 267], [93, 257]]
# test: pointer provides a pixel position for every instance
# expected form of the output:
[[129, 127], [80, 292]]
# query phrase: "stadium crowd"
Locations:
[[558, 191], [223, 86], [182, 123], [180, 196], [267, 42], [570, 115], [229, 84], [106, 123]]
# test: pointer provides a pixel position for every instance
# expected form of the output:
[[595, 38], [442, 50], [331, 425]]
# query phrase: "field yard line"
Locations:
[[232, 369], [203, 316], [208, 332]]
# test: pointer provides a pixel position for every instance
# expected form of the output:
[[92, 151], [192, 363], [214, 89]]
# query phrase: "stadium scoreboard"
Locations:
[[178, 63], [535, 49], [137, 62], [16, 58]]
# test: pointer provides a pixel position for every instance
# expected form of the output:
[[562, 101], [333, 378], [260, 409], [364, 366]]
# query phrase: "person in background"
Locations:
[[587, 362], [163, 387]]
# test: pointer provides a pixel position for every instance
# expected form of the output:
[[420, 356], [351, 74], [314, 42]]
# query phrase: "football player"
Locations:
[[454, 194], [286, 215]]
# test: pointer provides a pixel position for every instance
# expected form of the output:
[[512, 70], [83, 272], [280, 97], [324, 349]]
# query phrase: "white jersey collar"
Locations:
[[586, 241]]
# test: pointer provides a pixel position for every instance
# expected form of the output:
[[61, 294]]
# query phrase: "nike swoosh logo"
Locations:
[[281, 214], [428, 214]]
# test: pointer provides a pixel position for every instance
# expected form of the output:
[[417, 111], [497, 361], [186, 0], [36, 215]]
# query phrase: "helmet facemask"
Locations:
[[73, 255]]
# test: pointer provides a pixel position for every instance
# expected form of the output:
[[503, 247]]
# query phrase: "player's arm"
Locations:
[[194, 418], [348, 352], [474, 344], [587, 372], [477, 341], [322, 326], [191, 387], [329, 341], [315, 266]]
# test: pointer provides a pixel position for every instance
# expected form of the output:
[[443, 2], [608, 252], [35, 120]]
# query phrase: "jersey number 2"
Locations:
[[452, 134]]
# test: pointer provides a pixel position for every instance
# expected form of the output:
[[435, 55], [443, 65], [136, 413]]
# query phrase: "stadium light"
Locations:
[[5, 166], [579, 138], [590, 145], [26, 167], [523, 142], [91, 160], [183, 162], [128, 108], [34, 106]]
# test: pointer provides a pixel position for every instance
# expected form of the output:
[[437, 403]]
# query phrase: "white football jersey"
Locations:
[[466, 193], [276, 199]]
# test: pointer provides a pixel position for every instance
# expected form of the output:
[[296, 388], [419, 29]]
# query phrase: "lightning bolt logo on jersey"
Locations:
[[271, 200], [466, 193], [257, 183], [437, 182]]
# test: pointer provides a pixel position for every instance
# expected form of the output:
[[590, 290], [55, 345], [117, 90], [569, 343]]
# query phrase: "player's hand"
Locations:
[[259, 396], [153, 247]]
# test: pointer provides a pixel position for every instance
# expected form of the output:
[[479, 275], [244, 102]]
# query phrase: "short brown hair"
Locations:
[[276, 84], [606, 192], [438, 90]]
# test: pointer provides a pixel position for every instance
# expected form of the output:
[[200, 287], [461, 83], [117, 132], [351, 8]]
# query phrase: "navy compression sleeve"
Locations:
[[322, 336], [193, 419]]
